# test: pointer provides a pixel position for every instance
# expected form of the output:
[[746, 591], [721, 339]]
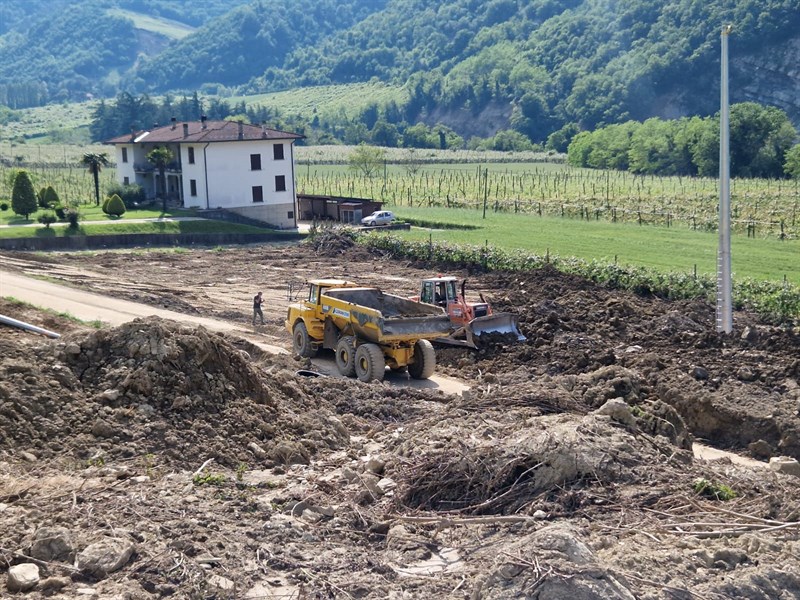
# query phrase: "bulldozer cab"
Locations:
[[439, 291]]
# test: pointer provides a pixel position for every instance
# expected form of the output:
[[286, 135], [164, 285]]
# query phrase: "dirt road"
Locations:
[[88, 306]]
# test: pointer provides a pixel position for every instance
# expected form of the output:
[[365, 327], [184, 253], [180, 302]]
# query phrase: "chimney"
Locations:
[[185, 130], [264, 129], [241, 130], [174, 122], [133, 133], [203, 121]]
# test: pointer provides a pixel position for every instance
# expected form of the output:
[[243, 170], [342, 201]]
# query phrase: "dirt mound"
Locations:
[[156, 387]]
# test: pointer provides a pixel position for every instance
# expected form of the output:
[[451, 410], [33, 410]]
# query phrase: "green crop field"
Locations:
[[759, 207], [166, 27], [327, 100]]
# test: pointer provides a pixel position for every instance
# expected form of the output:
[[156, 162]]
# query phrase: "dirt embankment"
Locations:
[[207, 469]]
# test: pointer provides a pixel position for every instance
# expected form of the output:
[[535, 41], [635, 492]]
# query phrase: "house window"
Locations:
[[126, 180], [124, 155], [277, 152], [193, 187], [280, 183], [258, 193], [255, 162], [191, 155], [290, 214]]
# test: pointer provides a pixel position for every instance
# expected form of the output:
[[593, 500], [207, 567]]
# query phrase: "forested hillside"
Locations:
[[540, 68]]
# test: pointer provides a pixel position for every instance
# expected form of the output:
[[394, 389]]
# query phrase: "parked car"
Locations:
[[379, 217]]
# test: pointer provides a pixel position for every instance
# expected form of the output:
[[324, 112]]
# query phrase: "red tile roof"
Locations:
[[214, 131]]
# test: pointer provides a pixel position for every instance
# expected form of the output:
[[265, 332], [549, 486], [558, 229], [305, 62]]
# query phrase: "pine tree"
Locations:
[[23, 197]]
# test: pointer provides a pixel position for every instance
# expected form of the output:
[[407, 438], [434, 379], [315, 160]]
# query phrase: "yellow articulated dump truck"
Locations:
[[367, 329]]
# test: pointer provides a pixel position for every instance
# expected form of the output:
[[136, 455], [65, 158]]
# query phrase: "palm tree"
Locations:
[[94, 163], [160, 158]]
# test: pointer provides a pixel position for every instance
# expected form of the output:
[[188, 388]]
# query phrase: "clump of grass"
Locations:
[[713, 491], [214, 479]]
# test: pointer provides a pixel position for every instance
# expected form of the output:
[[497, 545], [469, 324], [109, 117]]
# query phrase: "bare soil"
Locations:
[[566, 471]]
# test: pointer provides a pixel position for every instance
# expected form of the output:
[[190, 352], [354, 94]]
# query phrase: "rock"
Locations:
[[700, 373], [749, 335], [28, 456], [746, 374], [52, 543], [760, 449], [140, 479], [289, 453], [785, 464], [22, 578], [375, 465], [54, 583], [728, 559], [539, 514], [72, 348], [370, 482], [349, 475], [618, 409], [104, 557], [387, 485], [103, 429], [111, 395], [222, 583], [257, 451]]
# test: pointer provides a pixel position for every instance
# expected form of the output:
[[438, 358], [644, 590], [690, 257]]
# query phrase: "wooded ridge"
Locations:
[[534, 66]]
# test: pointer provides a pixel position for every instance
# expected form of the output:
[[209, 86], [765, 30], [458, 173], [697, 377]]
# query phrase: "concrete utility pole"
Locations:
[[724, 282]]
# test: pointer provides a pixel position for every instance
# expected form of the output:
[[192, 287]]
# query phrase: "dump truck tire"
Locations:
[[301, 342], [424, 360], [346, 356], [370, 363]]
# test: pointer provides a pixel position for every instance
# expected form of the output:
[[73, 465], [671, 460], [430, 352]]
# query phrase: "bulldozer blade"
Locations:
[[499, 328]]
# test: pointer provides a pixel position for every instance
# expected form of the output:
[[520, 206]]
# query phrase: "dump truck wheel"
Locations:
[[346, 356], [424, 360], [301, 343], [370, 363]]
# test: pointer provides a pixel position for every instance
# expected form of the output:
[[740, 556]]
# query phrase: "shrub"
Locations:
[[104, 206], [3, 205], [132, 194], [115, 206], [73, 216], [713, 491], [47, 218], [60, 211], [40, 197], [50, 197], [23, 198]]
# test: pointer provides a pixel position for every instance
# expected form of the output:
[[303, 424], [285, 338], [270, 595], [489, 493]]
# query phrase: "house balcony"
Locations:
[[173, 167]]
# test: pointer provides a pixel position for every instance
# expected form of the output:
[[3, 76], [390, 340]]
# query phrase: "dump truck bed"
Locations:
[[382, 318]]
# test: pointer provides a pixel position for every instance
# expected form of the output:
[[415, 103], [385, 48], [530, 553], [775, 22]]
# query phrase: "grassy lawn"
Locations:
[[128, 228], [674, 249], [95, 213]]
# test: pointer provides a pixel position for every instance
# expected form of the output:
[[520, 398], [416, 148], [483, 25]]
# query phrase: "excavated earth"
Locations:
[[158, 459]]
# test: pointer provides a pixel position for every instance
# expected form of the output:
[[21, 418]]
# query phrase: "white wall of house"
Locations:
[[222, 176], [231, 180]]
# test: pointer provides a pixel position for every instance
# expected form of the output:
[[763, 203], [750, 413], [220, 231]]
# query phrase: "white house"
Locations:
[[246, 169]]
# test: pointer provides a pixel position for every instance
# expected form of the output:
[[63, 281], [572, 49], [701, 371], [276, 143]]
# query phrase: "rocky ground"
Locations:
[[160, 460]]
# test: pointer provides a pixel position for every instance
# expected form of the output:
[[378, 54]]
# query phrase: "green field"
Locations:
[[759, 207], [166, 27], [660, 248], [346, 100]]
